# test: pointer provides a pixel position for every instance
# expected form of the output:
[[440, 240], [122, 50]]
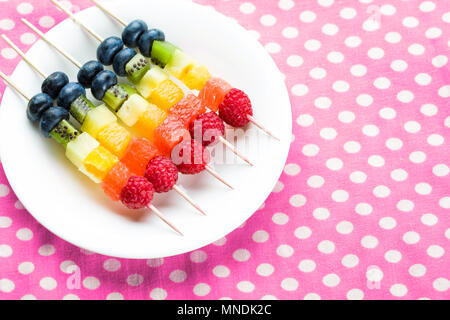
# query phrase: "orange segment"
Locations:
[[166, 94], [187, 109], [213, 93], [196, 78], [138, 155], [115, 181], [99, 162], [149, 121], [115, 138], [169, 134]]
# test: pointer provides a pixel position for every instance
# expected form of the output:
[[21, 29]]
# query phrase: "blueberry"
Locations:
[[121, 59], [147, 38], [132, 33], [37, 105], [69, 93], [88, 72], [50, 119], [54, 83], [108, 49], [102, 82]]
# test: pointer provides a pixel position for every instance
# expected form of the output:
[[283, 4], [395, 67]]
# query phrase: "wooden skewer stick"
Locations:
[[161, 216], [188, 199], [217, 176], [14, 86], [108, 12], [260, 126], [234, 150]]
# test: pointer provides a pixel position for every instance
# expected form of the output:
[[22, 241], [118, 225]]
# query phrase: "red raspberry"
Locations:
[[235, 108], [162, 173], [137, 194], [206, 128], [190, 157]]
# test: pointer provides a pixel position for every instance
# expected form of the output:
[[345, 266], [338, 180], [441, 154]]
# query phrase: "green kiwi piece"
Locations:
[[64, 132], [80, 108], [136, 68], [162, 52], [117, 95]]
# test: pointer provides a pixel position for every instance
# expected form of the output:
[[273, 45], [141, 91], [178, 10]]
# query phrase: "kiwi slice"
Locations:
[[80, 108], [162, 52], [64, 132], [136, 68], [117, 95]]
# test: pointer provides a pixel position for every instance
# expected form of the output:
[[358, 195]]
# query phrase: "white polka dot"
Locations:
[[416, 49], [321, 213], [347, 13], [427, 6], [46, 22], [346, 116], [388, 113], [411, 237], [326, 246], [344, 227], [289, 284], [429, 219], [355, 294], [286, 4], [269, 297], [315, 181], [394, 144], [303, 232], [423, 79], [27, 296], [435, 140], [439, 61], [297, 200], [198, 256], [247, 8], [371, 130], [310, 150], [398, 290], [358, 177], [18, 205], [387, 223], [334, 164], [417, 270], [305, 120], [260, 236], [330, 29], [364, 100], [423, 188], [299, 90], [405, 205], [393, 37], [323, 102], [410, 22], [25, 8], [369, 242], [6, 285], [335, 57], [161, 294], [268, 20], [7, 24], [178, 276], [340, 196], [363, 209], [353, 41], [92, 283], [26, 267], [441, 170], [446, 17], [24, 234], [417, 157], [294, 61], [352, 147], [371, 24], [48, 283], [5, 222], [444, 91], [317, 73], [202, 289], [435, 251], [307, 266], [5, 251], [358, 70], [273, 47], [67, 266], [433, 33], [375, 53], [27, 38], [245, 286], [382, 83], [46, 250], [381, 191], [399, 65], [280, 218], [350, 261], [8, 53], [221, 271], [290, 32], [312, 45], [241, 255], [325, 3], [279, 186], [405, 96], [285, 251], [154, 263], [311, 296], [445, 202], [393, 256], [412, 126], [135, 280], [441, 284], [265, 269], [328, 133], [331, 280], [114, 296], [307, 16]]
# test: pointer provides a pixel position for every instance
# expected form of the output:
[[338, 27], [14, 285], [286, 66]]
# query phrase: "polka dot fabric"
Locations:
[[362, 210]]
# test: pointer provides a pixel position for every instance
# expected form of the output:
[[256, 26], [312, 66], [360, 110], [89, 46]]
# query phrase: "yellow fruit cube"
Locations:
[[150, 81], [149, 121], [115, 138], [166, 95], [98, 163], [132, 109], [196, 78], [97, 119], [180, 64], [78, 149]]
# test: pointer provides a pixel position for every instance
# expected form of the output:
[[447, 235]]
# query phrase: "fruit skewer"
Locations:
[[233, 104], [171, 133], [137, 192], [152, 82], [163, 180]]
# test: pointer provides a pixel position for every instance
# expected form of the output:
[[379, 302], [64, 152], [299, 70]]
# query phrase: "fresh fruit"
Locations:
[[121, 59], [166, 95], [80, 108], [187, 109], [53, 84], [149, 121], [50, 119], [69, 93], [38, 105], [235, 108], [98, 163], [190, 157], [88, 72], [213, 93], [117, 95], [115, 138], [150, 81], [147, 40], [116, 180], [206, 128], [132, 109], [77, 150], [136, 68], [137, 194], [108, 49], [170, 133], [179, 65], [140, 151], [102, 82], [97, 119], [162, 52], [196, 77], [132, 33], [162, 173], [64, 133]]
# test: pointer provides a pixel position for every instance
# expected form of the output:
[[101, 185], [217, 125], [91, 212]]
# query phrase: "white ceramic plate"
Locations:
[[72, 207]]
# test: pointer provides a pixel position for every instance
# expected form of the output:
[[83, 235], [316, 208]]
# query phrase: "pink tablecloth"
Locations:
[[362, 209]]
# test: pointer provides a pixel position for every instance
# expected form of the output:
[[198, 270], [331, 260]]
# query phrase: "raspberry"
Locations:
[[162, 173], [190, 157], [235, 107], [207, 127], [137, 194]]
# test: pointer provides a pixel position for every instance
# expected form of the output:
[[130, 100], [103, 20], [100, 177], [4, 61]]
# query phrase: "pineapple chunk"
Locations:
[[150, 81], [196, 78], [115, 138], [97, 119], [78, 149], [132, 109], [180, 64], [98, 164]]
